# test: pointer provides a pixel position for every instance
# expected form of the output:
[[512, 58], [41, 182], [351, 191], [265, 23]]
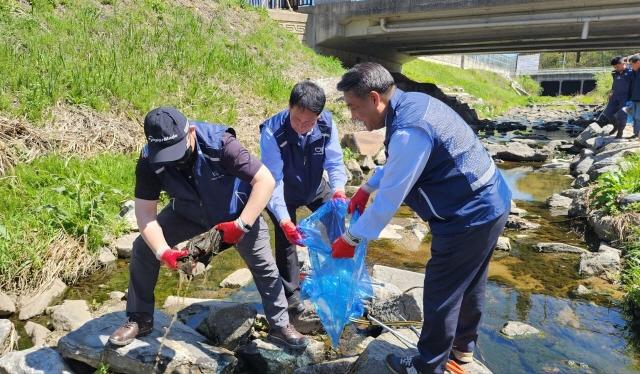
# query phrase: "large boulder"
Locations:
[[69, 315], [237, 279], [229, 326], [36, 360], [559, 248], [589, 132], [366, 143], [581, 181], [37, 333], [353, 169], [264, 357], [353, 341], [603, 225], [341, 365], [8, 336], [183, 350], [34, 304], [128, 214], [579, 207], [124, 245], [403, 279], [515, 328], [7, 305], [559, 204], [583, 166], [605, 263], [406, 306], [627, 199], [516, 151], [106, 257]]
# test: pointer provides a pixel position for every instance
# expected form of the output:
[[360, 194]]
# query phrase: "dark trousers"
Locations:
[[454, 292], [286, 254], [615, 115], [254, 248]]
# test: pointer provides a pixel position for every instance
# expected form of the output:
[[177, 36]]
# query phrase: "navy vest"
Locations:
[[218, 196], [621, 84], [460, 185], [302, 166]]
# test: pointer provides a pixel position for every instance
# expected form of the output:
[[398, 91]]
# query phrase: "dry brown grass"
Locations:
[[71, 130]]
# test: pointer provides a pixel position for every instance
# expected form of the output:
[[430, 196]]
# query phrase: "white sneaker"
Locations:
[[465, 357]]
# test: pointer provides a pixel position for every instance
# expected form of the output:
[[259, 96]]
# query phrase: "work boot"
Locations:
[[304, 318], [288, 336], [464, 357], [138, 324]]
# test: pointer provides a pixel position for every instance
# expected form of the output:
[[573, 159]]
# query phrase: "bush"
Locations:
[[532, 87], [610, 185]]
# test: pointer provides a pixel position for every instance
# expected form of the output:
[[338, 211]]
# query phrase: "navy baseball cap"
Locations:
[[166, 131]]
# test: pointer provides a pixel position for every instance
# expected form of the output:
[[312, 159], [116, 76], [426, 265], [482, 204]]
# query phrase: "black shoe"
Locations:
[[288, 336], [401, 365]]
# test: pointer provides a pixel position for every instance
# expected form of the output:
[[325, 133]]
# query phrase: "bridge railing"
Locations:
[[280, 4], [571, 71]]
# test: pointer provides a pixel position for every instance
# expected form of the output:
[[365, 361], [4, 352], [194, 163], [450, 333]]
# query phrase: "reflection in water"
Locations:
[[534, 186]]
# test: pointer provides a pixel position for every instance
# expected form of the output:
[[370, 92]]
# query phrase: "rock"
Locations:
[[372, 360], [555, 165], [504, 244], [519, 223], [237, 279], [577, 365], [380, 158], [70, 315], [353, 341], [303, 256], [183, 349], [356, 173], [127, 212], [338, 366], [420, 230], [514, 328], [595, 173], [515, 151], [559, 248], [7, 306], [124, 245], [384, 290], [366, 143], [583, 166], [106, 257], [605, 262], [36, 360], [8, 336], [35, 304], [559, 204], [229, 326], [351, 190], [579, 206], [390, 231], [403, 279], [265, 357], [397, 308], [603, 226], [572, 192], [581, 181], [581, 291], [367, 164], [117, 295], [622, 200], [37, 333], [589, 132]]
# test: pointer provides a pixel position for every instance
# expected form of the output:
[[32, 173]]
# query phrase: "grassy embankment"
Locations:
[[217, 61], [494, 89], [605, 196]]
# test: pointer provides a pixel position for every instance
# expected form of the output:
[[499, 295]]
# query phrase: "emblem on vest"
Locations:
[[318, 151]]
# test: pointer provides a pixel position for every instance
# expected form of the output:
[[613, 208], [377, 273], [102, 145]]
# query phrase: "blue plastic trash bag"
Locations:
[[336, 287]]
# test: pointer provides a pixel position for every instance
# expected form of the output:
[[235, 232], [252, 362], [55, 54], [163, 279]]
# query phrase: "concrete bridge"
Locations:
[[556, 82], [393, 32]]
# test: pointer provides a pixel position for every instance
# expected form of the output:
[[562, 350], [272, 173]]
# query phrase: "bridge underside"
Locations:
[[394, 32]]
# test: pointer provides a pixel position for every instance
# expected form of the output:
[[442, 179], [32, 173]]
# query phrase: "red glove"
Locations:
[[339, 195], [232, 231], [171, 256], [358, 201], [343, 248], [294, 236]]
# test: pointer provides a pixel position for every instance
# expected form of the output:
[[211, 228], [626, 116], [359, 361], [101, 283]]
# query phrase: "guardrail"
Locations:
[[280, 4], [570, 71]]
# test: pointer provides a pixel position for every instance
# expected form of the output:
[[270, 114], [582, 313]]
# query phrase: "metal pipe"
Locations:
[[406, 341], [585, 30], [621, 17]]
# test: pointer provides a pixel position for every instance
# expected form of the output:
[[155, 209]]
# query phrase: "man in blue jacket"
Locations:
[[298, 145], [438, 167], [213, 183], [634, 95], [619, 94]]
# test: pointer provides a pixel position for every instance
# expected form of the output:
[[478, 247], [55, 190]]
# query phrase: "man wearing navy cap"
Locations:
[[213, 184], [619, 94]]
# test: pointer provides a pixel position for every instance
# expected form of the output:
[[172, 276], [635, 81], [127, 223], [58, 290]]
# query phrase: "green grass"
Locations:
[[132, 56], [494, 89], [80, 198], [610, 185]]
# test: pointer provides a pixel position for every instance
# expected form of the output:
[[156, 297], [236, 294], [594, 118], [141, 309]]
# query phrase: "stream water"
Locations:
[[524, 285]]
